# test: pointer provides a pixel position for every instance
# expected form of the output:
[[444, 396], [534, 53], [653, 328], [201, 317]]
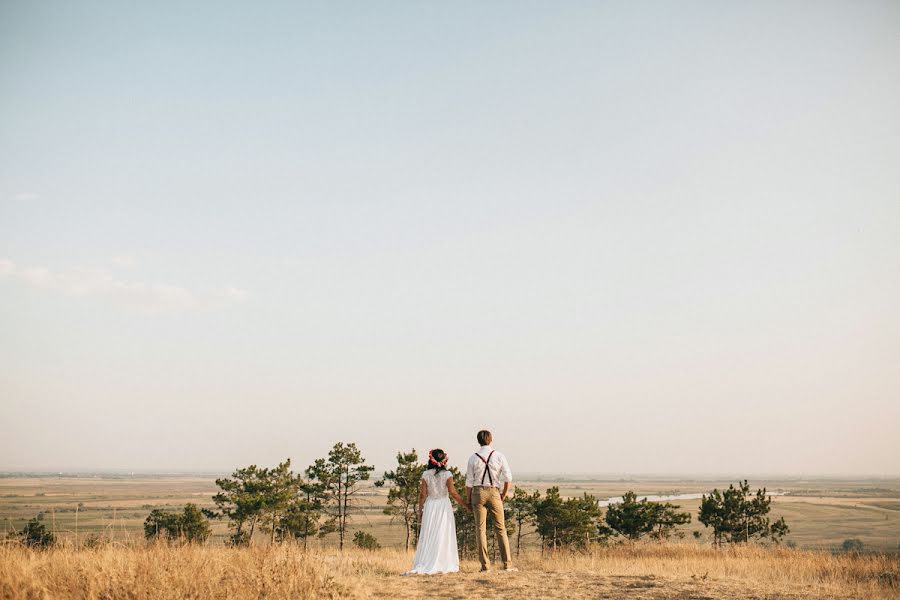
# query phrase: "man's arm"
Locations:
[[506, 475], [470, 481]]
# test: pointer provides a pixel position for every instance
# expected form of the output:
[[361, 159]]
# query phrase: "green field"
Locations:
[[821, 513]]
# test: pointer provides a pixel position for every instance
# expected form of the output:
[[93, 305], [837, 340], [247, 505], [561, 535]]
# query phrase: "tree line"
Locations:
[[321, 500], [290, 506], [734, 515]]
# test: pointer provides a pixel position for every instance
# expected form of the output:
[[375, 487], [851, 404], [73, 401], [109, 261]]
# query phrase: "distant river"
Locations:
[[696, 496]]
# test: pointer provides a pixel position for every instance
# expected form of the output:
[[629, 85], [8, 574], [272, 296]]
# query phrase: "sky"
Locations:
[[628, 238]]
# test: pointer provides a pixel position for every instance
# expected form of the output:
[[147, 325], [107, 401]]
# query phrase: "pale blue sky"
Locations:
[[627, 237]]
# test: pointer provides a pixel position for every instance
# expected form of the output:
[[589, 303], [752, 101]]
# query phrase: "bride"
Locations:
[[436, 551]]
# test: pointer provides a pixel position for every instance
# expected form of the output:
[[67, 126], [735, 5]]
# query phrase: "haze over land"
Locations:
[[628, 239]]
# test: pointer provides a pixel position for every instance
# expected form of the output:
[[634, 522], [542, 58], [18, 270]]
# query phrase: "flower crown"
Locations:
[[439, 463]]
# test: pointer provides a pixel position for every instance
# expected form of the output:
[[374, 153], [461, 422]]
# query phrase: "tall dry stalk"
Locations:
[[138, 570]]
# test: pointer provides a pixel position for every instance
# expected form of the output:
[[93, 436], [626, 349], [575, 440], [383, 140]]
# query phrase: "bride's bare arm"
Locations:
[[454, 494], [423, 492]]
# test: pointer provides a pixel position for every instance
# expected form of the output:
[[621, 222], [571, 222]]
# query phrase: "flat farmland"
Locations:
[[821, 513]]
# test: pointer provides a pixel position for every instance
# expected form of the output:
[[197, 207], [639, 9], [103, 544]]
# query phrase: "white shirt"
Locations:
[[498, 468]]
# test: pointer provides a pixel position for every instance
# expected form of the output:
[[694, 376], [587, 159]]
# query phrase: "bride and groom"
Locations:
[[486, 471]]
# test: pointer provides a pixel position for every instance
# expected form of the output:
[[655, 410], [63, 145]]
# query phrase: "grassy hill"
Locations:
[[643, 571]]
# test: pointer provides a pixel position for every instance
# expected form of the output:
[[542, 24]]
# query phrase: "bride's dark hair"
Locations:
[[437, 460]]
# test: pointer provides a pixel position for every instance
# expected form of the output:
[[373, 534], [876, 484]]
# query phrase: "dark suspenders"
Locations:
[[487, 471]]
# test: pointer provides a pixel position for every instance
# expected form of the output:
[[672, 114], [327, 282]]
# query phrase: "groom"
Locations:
[[484, 473]]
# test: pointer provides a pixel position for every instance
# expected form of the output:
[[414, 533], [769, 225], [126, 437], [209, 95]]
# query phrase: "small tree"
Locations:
[[736, 516], [634, 519], [279, 490], [630, 517], [241, 501], [161, 523], [194, 526], [190, 525], [522, 507], [666, 517], [36, 535], [549, 518], [852, 545], [584, 521], [342, 473], [574, 522], [403, 495], [303, 518], [366, 541]]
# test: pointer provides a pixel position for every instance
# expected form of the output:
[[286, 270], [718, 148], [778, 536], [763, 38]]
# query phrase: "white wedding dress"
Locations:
[[436, 551]]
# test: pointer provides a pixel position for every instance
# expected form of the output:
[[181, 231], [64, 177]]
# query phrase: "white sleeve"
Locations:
[[470, 473], [505, 473]]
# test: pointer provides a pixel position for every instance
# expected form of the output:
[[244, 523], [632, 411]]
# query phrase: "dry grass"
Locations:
[[644, 571]]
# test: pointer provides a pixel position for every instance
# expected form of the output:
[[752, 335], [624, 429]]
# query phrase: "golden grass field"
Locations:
[[644, 571]]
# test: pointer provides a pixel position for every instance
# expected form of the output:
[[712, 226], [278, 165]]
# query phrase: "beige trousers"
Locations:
[[486, 499]]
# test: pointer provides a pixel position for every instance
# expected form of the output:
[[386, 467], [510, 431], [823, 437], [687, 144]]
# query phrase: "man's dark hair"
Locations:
[[485, 437]]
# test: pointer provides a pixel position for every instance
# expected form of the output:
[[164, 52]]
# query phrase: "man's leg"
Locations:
[[495, 505], [478, 508]]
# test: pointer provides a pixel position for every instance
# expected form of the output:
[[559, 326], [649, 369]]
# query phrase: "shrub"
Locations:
[[366, 541], [634, 519], [190, 525], [737, 516], [574, 522], [36, 535], [852, 545]]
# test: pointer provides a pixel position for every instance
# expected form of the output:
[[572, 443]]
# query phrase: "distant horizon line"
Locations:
[[521, 475]]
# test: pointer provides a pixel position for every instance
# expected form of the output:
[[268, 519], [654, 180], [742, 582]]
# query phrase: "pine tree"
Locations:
[[279, 491], [735, 516], [630, 517], [342, 472], [522, 507], [403, 496], [301, 519], [574, 522], [634, 519], [242, 501], [666, 517]]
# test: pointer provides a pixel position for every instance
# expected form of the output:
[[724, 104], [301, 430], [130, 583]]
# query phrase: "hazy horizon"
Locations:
[[628, 238], [755, 478]]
